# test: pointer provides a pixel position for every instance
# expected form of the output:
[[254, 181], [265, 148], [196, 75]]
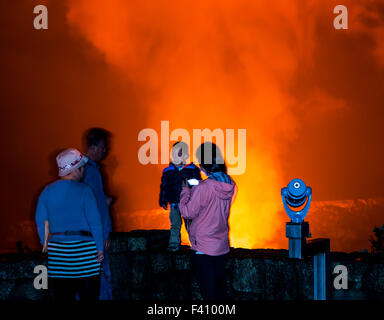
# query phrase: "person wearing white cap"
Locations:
[[75, 245]]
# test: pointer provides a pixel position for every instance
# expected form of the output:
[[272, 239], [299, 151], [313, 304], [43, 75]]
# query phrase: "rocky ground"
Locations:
[[142, 269]]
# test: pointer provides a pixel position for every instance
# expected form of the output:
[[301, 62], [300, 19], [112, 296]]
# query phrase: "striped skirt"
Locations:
[[72, 259]]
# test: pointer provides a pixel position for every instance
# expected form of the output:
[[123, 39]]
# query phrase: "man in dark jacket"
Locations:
[[170, 189], [97, 140]]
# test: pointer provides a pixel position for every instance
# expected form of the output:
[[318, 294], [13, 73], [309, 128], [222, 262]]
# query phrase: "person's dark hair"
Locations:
[[94, 136], [210, 158]]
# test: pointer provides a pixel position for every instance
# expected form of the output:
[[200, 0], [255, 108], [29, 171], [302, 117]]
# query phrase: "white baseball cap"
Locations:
[[69, 160]]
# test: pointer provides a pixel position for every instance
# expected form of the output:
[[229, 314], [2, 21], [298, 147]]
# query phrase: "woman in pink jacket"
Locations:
[[207, 207]]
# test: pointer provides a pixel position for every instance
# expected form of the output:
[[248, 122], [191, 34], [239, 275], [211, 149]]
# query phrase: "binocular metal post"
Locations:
[[297, 234], [319, 249]]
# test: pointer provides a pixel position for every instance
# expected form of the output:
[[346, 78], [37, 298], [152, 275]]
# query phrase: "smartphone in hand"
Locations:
[[193, 182]]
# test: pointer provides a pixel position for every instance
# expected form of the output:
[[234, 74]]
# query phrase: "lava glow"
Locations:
[[213, 65], [216, 61]]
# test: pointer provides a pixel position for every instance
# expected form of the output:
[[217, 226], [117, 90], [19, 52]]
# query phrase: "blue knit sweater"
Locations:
[[69, 205]]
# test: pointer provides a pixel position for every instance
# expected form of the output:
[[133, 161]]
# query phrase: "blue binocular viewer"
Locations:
[[294, 196]]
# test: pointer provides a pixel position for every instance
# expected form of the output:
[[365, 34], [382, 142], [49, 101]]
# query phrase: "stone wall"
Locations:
[[142, 269]]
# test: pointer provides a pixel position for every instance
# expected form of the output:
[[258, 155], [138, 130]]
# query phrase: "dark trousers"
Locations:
[[88, 289], [210, 275]]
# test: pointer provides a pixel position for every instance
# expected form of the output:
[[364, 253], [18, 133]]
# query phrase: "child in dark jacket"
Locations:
[[170, 189]]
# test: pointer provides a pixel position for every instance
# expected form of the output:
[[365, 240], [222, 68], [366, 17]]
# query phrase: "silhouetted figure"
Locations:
[[97, 143], [22, 250], [378, 242], [19, 247]]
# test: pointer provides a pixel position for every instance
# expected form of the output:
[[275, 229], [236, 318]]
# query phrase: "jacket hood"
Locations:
[[223, 190]]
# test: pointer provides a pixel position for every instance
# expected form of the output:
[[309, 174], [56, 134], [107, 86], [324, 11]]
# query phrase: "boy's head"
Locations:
[[179, 153]]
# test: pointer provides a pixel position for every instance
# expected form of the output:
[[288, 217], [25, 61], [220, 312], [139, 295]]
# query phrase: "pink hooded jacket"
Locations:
[[208, 205]]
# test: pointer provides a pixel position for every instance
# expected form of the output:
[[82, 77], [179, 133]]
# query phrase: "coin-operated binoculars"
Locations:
[[294, 197], [297, 199]]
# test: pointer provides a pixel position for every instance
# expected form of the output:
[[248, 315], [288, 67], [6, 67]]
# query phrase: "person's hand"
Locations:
[[185, 183], [109, 200], [107, 244], [47, 235], [100, 256], [164, 206]]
